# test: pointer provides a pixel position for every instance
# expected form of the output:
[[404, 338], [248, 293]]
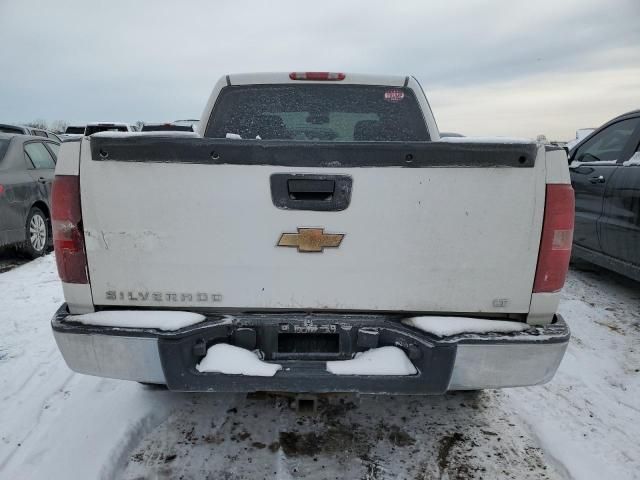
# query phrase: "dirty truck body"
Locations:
[[311, 216]]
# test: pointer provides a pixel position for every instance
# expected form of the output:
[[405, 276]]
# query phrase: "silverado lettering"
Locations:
[[114, 295]]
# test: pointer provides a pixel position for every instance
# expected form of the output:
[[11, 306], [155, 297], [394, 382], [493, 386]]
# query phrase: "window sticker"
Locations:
[[394, 95]]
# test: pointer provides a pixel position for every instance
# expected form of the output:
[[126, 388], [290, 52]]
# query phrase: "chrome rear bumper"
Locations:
[[461, 362], [505, 365]]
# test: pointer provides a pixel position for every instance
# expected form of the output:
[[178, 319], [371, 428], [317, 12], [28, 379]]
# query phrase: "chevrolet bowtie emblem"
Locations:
[[310, 240]]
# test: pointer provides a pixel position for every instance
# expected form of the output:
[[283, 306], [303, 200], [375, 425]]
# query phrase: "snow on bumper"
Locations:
[[457, 362]]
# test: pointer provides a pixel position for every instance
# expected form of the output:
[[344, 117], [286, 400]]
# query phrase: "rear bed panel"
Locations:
[[433, 239]]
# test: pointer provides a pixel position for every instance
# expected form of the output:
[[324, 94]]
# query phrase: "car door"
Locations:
[[43, 163], [8, 218], [593, 165], [17, 192], [620, 221]]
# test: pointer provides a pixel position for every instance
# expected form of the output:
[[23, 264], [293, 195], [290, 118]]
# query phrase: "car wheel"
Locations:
[[36, 233]]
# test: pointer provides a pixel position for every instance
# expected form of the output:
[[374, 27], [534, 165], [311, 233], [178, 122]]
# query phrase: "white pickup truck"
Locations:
[[317, 235]]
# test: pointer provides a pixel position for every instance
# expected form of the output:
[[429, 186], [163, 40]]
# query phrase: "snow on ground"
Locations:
[[58, 425], [589, 416], [54, 423]]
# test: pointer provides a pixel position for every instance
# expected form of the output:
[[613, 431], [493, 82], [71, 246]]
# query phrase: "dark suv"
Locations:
[[605, 173], [27, 166]]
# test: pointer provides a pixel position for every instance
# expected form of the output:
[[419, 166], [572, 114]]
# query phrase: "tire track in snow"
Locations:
[[37, 369], [582, 417], [133, 435], [36, 422], [165, 448], [379, 438]]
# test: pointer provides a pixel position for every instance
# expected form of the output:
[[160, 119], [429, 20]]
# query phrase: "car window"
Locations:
[[607, 145], [39, 155], [54, 147], [40, 133], [4, 146], [91, 129], [10, 129], [318, 112]]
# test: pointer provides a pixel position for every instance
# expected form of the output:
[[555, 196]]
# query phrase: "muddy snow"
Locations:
[[585, 424]]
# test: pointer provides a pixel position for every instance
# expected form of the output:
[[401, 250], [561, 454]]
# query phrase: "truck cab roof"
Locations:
[[125, 124], [316, 77]]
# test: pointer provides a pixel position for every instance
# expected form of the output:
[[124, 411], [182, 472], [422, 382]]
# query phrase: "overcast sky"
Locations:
[[489, 67]]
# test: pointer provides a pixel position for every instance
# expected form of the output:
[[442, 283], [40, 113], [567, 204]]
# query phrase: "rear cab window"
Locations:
[[314, 112], [75, 130], [91, 129]]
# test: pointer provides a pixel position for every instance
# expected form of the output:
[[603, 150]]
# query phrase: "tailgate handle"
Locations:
[[324, 193], [310, 189]]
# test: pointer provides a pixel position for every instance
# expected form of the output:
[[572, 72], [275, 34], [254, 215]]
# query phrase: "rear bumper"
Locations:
[[468, 361]]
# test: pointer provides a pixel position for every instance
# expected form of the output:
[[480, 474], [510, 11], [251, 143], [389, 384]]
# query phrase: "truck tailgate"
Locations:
[[193, 223]]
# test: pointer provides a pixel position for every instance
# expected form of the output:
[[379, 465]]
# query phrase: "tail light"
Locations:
[[317, 76], [557, 237], [68, 237]]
